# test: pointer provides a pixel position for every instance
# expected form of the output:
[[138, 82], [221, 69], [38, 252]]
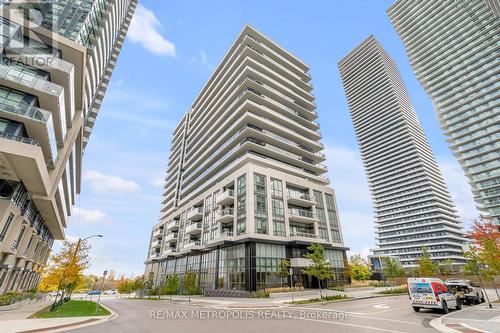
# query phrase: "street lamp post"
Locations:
[[73, 258]]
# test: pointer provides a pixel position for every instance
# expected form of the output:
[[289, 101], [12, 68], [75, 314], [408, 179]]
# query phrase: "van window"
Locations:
[[420, 288], [439, 288]]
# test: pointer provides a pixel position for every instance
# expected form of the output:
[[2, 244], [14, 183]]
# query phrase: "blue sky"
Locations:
[[170, 51]]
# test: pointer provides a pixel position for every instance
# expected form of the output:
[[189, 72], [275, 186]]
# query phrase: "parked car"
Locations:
[[110, 292], [466, 291], [94, 292], [55, 293], [431, 293]]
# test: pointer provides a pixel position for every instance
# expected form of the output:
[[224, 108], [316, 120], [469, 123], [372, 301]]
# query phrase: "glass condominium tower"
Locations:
[[412, 204], [244, 187], [57, 59], [453, 48]]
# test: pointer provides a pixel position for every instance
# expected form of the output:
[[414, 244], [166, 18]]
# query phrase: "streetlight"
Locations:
[[73, 258]]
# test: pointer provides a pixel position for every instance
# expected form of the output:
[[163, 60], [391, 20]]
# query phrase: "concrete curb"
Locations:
[[84, 323], [437, 323]]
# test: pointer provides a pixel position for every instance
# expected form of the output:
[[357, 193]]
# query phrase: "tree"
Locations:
[[392, 269], [320, 268], [483, 257], [426, 267], [359, 269], [125, 286], [446, 267], [64, 271], [139, 284], [283, 269], [171, 286], [485, 237], [190, 283]]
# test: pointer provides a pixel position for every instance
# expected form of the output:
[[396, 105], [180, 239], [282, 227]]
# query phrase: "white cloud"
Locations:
[[158, 182], [347, 175], [144, 29], [87, 215], [459, 188], [204, 59], [364, 252], [107, 183]]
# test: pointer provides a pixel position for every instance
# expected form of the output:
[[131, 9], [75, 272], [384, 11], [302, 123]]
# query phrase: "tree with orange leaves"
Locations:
[[485, 237]]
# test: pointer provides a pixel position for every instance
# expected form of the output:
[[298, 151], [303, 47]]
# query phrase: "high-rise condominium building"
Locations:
[[244, 187], [412, 204], [453, 48], [57, 59]]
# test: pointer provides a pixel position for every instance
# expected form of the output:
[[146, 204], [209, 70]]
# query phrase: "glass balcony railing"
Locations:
[[226, 212], [298, 195], [303, 234], [301, 213], [22, 139]]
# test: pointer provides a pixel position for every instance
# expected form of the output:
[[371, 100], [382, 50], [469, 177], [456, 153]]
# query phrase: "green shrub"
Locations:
[[11, 297], [398, 290], [323, 299], [259, 294]]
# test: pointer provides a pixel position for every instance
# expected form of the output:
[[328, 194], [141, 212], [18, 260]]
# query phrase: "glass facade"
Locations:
[[260, 202], [278, 208], [267, 258], [320, 212], [232, 268], [241, 204], [332, 218]]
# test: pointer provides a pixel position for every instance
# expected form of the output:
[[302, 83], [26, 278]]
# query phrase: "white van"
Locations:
[[431, 293]]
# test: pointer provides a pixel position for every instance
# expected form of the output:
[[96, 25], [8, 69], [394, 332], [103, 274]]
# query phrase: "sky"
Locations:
[[171, 49]]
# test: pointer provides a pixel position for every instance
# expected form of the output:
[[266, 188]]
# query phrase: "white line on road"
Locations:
[[351, 325], [474, 328]]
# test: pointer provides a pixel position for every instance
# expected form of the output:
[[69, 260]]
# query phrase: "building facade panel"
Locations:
[[57, 58], [453, 48], [244, 186], [412, 205]]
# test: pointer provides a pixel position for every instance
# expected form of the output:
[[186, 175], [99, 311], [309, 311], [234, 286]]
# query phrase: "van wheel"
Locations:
[[445, 308], [459, 305], [416, 309], [476, 300]]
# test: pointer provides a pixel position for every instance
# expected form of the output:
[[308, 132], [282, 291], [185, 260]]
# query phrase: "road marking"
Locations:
[[473, 328], [381, 306], [351, 325], [328, 310]]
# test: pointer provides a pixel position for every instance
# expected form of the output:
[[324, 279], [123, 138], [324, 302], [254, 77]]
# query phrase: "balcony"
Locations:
[[194, 229], [194, 245], [195, 214], [301, 215], [225, 216], [173, 225], [158, 233], [226, 198], [156, 243], [300, 199], [169, 251], [171, 237]]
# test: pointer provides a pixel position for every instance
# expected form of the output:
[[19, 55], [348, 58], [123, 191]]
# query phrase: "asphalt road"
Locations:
[[388, 314]]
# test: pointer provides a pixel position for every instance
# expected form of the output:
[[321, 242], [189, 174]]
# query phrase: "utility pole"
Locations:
[[100, 291]]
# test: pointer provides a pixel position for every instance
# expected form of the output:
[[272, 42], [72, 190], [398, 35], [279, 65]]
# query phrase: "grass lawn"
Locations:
[[73, 309]]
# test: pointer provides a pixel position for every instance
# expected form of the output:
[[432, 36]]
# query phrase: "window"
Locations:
[[260, 225], [6, 227], [276, 188], [260, 183]]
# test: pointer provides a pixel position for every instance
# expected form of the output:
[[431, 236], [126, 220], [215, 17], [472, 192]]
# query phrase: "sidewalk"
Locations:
[[476, 319], [15, 321], [233, 302]]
